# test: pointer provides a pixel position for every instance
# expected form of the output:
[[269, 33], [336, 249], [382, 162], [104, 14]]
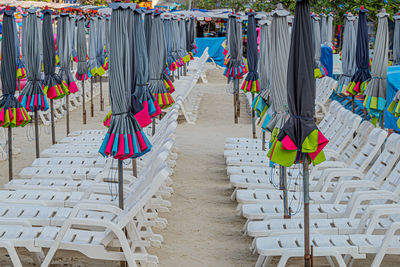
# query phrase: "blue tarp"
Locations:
[[327, 59], [393, 82], [215, 49]]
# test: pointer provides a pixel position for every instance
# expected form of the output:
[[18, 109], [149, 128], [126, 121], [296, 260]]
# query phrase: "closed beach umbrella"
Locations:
[[375, 93], [299, 136], [175, 43], [148, 21], [93, 46], [396, 40], [361, 77], [264, 63], [319, 70], [394, 107], [168, 37], [157, 63], [124, 139], [106, 39], [329, 32], [82, 73], [65, 52], [21, 72], [193, 47], [251, 83], [32, 97], [182, 40], [53, 86], [324, 29], [12, 113], [348, 54], [100, 56], [279, 53], [72, 39]]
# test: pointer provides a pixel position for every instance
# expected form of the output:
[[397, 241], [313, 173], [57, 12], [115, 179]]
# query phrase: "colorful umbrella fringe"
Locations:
[[260, 106], [285, 152], [12, 113], [83, 77], [358, 83], [21, 72], [394, 108], [235, 70], [124, 146], [320, 72], [34, 100], [54, 87]]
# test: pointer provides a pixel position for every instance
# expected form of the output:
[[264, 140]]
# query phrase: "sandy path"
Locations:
[[204, 229]]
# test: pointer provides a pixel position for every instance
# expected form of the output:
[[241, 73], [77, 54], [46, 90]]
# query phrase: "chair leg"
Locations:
[[260, 261], [330, 261]]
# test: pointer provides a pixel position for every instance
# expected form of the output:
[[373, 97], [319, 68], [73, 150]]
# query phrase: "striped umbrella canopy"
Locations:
[[72, 39], [168, 37], [188, 35], [53, 85], [362, 75], [329, 32], [82, 73], [124, 139], [148, 21], [65, 52], [106, 40], [324, 29], [100, 56], [175, 42], [299, 136], [182, 41], [251, 84], [157, 63], [396, 40], [319, 69], [93, 64], [32, 97], [348, 54], [21, 72], [264, 64], [193, 47], [39, 22], [394, 107], [375, 93], [279, 53], [12, 113]]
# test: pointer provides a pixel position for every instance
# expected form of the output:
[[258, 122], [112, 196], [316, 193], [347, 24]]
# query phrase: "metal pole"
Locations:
[[263, 140], [120, 185], [83, 103], [307, 256], [37, 134], [134, 167], [283, 185], [235, 96], [53, 130], [184, 70], [177, 71], [353, 104], [67, 115], [91, 98], [101, 95], [383, 120], [173, 76], [153, 127], [253, 117], [10, 162]]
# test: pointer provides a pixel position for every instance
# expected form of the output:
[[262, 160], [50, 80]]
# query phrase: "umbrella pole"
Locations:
[[134, 167], [153, 127], [83, 103], [283, 187], [184, 70], [67, 115], [307, 255], [37, 134], [10, 162], [53, 130], [173, 76], [238, 99], [263, 140], [253, 119], [353, 104], [383, 120], [101, 95], [91, 98], [235, 98], [120, 185], [178, 72]]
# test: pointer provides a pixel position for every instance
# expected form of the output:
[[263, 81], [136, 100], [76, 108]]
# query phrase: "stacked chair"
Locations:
[[354, 194]]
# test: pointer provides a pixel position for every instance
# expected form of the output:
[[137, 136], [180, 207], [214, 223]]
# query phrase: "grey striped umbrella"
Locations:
[[193, 47], [375, 93], [92, 46], [264, 64], [157, 63], [12, 113], [148, 21], [20, 64], [100, 57], [280, 45], [32, 97], [175, 42], [396, 40], [169, 42], [323, 28], [182, 41], [329, 32], [72, 39], [319, 70], [107, 40], [348, 54], [125, 138], [65, 52], [82, 73]]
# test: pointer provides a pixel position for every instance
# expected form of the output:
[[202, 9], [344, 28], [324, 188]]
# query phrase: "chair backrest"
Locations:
[[330, 116], [361, 138], [369, 150], [386, 160], [345, 135], [338, 124]]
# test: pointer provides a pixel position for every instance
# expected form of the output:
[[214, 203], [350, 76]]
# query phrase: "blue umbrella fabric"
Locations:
[[124, 139], [361, 77], [299, 136], [32, 97], [12, 113]]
